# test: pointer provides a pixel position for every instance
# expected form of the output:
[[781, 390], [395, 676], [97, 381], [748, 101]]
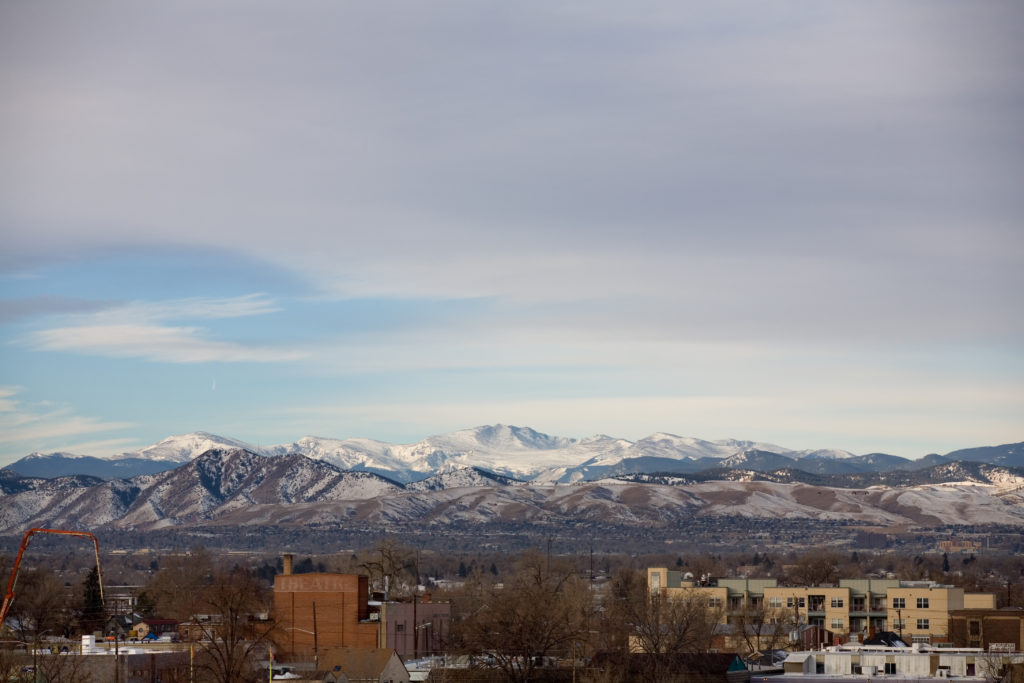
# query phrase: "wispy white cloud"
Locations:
[[26, 427], [134, 330], [213, 308], [7, 402], [156, 343]]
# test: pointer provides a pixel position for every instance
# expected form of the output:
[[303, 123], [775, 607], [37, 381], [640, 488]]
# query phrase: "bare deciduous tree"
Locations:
[[543, 611], [62, 668], [41, 605], [234, 634], [762, 628], [639, 621], [180, 580], [392, 568], [816, 569]]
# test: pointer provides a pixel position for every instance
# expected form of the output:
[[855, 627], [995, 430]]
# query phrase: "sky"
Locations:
[[791, 222]]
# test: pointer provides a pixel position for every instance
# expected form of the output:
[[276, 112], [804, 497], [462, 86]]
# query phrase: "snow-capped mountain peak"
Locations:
[[185, 447]]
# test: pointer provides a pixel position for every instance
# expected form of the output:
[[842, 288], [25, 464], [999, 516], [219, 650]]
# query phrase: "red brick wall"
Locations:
[[341, 611]]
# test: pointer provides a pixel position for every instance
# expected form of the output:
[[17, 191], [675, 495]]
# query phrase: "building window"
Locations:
[[922, 603], [775, 602], [714, 602], [974, 627], [922, 624], [899, 624], [399, 628], [890, 667], [837, 602], [837, 624], [899, 603]]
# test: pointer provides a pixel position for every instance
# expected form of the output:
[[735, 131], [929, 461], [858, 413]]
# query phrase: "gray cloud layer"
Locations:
[[838, 169]]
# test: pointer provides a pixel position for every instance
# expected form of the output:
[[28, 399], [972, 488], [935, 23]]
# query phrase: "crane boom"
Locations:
[[9, 596]]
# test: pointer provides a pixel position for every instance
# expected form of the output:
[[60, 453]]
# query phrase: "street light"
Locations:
[[316, 653]]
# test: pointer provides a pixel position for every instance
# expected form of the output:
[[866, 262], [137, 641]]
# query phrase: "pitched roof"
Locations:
[[887, 638], [358, 663]]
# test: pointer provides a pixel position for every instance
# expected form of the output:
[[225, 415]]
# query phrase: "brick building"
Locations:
[[984, 628], [322, 609]]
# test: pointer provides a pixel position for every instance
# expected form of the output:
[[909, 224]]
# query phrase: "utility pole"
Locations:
[[316, 649]]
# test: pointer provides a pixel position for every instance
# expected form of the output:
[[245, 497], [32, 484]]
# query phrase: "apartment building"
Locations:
[[919, 610], [852, 609]]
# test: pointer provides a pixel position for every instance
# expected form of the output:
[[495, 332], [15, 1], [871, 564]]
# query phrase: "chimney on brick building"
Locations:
[[287, 557]]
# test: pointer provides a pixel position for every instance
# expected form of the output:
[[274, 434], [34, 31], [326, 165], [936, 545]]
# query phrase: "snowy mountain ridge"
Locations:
[[517, 452], [238, 489]]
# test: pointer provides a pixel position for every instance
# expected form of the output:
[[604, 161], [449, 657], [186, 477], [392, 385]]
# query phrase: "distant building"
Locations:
[[853, 609], [959, 545]]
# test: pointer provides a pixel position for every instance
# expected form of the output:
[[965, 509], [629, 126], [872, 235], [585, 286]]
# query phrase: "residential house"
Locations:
[[364, 665], [157, 627]]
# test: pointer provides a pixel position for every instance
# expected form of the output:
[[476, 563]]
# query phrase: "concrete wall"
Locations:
[[416, 630]]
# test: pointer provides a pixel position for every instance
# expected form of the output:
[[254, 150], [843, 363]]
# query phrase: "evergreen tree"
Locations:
[[945, 562], [93, 616]]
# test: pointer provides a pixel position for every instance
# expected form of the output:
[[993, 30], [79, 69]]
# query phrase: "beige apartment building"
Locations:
[[853, 610]]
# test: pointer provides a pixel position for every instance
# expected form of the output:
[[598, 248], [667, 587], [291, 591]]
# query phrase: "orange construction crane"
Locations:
[[9, 596]]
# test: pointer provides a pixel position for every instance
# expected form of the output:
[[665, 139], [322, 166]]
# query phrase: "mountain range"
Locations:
[[238, 489], [505, 478], [517, 452]]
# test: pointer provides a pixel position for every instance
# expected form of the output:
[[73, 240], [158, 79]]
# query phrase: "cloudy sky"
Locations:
[[797, 222]]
